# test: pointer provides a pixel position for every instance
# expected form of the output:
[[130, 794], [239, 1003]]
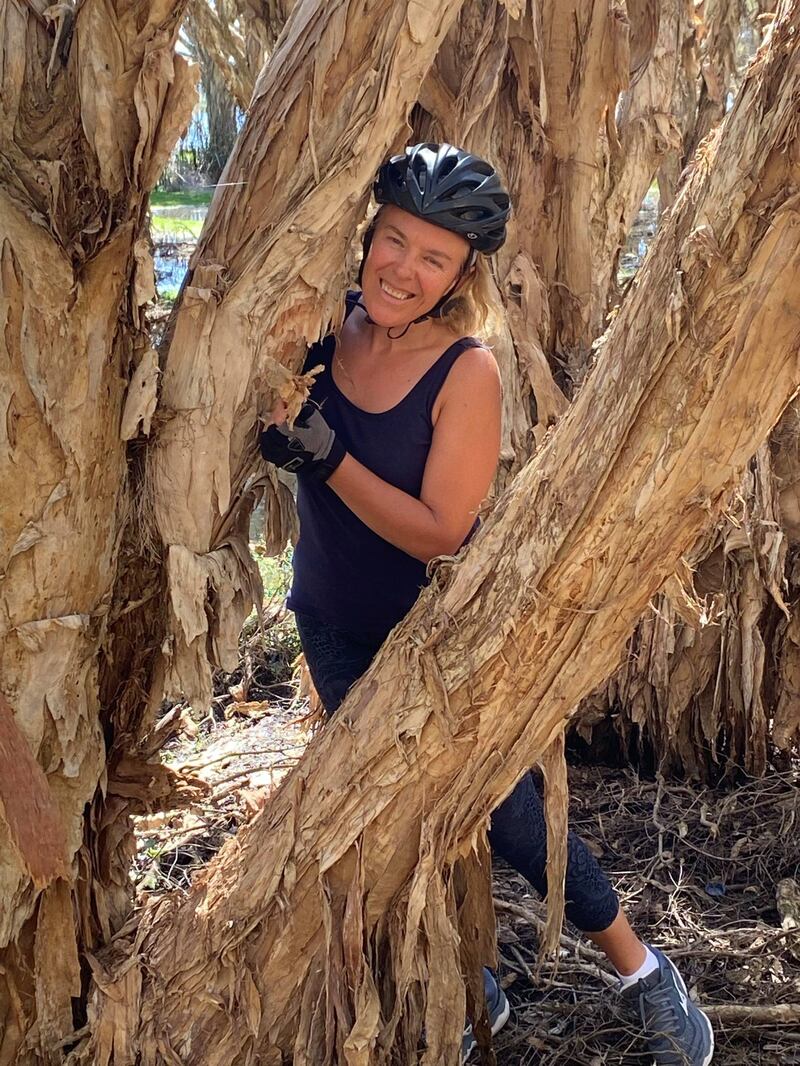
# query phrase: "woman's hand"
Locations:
[[309, 448], [278, 414]]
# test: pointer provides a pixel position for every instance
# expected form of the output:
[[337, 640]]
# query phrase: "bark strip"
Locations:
[[27, 805]]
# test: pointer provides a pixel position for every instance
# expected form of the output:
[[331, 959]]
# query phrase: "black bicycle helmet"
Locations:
[[450, 188]]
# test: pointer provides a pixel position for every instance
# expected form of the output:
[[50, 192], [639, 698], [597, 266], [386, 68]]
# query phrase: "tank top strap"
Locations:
[[432, 381], [350, 301]]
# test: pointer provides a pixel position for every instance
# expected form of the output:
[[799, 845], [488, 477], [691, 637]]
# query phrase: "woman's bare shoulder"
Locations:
[[475, 367], [473, 383]]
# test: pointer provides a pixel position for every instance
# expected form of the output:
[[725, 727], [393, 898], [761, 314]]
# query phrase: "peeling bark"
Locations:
[[709, 664], [479, 679], [220, 108], [706, 686], [639, 134], [483, 92], [585, 63], [684, 100], [89, 112], [238, 36], [721, 20]]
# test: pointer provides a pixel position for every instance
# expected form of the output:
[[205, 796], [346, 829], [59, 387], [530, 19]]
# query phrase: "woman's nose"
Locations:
[[404, 265]]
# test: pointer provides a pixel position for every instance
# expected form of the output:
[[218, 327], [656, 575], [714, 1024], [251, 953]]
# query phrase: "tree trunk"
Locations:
[[639, 134], [699, 685], [492, 83], [721, 20], [684, 100], [585, 62], [84, 642], [706, 684], [326, 930], [214, 29], [237, 36], [93, 101], [222, 125]]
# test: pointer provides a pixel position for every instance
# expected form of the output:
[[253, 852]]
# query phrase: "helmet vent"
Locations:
[[450, 188]]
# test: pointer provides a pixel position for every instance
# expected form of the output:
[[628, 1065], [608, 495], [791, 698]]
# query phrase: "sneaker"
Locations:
[[676, 1030], [497, 1007]]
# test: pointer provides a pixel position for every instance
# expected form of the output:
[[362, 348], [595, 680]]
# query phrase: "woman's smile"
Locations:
[[398, 295]]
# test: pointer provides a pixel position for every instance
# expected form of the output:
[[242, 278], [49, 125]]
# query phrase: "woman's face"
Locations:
[[410, 266]]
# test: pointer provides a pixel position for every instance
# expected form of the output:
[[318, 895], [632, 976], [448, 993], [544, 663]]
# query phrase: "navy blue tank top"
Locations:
[[344, 573]]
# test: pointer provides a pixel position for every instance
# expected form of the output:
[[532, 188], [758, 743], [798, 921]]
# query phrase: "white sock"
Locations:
[[650, 963]]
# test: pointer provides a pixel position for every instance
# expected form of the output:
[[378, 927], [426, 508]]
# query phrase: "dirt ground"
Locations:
[[709, 875]]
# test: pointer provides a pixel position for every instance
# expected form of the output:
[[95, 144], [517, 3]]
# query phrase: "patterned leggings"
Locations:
[[337, 658]]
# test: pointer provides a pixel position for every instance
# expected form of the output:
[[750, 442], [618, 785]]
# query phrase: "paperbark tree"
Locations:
[[488, 89], [639, 133], [500, 88], [721, 22], [327, 930], [220, 106], [93, 100], [483, 92], [701, 677], [85, 642], [237, 36]]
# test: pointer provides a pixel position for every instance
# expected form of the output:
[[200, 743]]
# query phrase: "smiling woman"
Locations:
[[394, 455], [409, 264]]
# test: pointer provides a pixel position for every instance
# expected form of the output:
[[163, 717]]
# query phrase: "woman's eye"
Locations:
[[394, 240], [434, 262]]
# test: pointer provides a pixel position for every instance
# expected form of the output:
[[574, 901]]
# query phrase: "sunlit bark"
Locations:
[[326, 929]]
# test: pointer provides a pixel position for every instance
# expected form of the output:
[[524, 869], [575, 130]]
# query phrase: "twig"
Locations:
[[565, 940], [756, 1014], [234, 753]]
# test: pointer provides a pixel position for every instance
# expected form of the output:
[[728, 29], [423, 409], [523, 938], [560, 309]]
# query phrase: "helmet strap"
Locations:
[[366, 244], [402, 332], [438, 308]]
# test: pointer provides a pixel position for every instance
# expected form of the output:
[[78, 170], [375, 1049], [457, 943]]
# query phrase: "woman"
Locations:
[[394, 454]]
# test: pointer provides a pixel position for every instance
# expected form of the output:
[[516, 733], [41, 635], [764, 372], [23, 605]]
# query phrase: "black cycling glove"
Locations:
[[309, 449]]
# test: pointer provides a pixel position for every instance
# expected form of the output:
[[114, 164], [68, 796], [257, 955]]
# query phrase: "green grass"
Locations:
[[178, 228], [187, 198], [276, 573], [168, 295]]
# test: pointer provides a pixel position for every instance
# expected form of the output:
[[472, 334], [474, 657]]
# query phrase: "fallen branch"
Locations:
[[757, 1014], [568, 943]]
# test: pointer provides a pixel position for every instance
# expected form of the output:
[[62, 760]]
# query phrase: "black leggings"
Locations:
[[518, 834]]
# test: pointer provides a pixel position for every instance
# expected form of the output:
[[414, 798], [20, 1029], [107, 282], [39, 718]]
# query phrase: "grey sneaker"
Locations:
[[677, 1031], [497, 1007]]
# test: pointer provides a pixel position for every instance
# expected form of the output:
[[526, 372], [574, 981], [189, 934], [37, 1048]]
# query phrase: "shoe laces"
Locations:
[[663, 1016]]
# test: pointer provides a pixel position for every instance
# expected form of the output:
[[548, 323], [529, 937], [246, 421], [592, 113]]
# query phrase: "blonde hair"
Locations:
[[474, 311]]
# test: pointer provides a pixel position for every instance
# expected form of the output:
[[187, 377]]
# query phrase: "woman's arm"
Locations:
[[458, 473]]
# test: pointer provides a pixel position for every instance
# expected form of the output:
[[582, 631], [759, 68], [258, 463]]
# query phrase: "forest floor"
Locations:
[[698, 871]]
